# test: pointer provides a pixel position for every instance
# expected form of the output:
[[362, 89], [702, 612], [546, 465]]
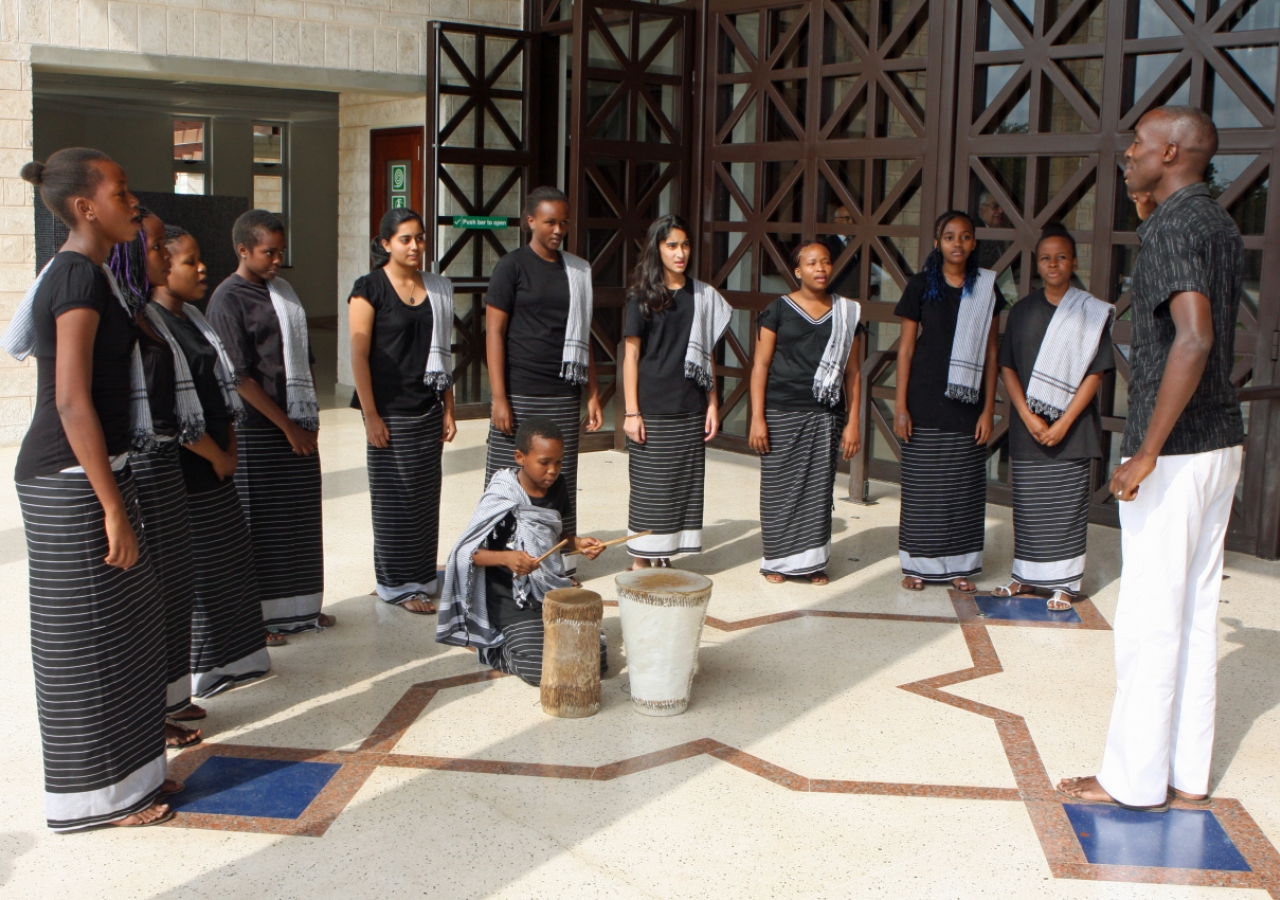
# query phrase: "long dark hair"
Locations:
[[128, 263], [648, 281], [392, 219], [935, 282]]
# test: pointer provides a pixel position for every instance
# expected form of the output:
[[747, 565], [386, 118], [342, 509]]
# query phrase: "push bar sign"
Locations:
[[492, 223]]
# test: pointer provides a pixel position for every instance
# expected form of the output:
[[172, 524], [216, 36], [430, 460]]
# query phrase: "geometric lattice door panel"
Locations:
[[822, 121], [480, 123], [1049, 95]]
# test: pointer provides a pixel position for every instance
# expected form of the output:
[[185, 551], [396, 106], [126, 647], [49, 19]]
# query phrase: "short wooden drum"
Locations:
[[570, 686], [662, 612]]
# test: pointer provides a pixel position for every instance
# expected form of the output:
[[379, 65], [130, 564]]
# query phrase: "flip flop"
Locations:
[[158, 820], [1201, 802], [774, 577], [192, 713], [971, 590], [1158, 808], [1059, 597], [819, 578], [187, 737], [276, 640], [916, 583], [1006, 590], [422, 598]]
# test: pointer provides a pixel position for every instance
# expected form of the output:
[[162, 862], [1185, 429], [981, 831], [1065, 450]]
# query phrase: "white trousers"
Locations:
[[1166, 628]]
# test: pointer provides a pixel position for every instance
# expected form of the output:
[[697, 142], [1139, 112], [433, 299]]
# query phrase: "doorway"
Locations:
[[395, 172]]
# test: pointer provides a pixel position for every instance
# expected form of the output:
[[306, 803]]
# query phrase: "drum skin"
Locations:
[[570, 686], [662, 612]]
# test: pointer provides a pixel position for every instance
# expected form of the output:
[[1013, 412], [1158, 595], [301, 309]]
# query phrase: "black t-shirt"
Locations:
[[242, 314], [1023, 334], [927, 399], [399, 350], [664, 339], [157, 367], [73, 281], [535, 294], [498, 586], [801, 343], [202, 359]]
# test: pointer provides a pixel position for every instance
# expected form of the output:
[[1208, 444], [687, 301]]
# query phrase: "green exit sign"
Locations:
[[493, 223]]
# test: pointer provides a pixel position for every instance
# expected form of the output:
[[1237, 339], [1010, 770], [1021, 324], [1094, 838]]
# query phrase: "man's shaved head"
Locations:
[[1191, 129], [1172, 147]]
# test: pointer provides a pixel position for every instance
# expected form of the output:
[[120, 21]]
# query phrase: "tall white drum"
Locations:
[[662, 612]]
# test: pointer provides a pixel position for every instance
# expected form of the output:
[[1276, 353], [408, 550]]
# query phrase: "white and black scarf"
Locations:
[[969, 347], [828, 380], [1069, 346], [188, 409], [439, 374], [711, 315], [302, 407], [575, 360], [463, 619]]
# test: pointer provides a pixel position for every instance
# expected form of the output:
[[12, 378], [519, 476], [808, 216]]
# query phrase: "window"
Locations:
[[191, 156], [270, 169]]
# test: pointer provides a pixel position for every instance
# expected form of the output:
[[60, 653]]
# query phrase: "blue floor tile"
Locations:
[[1022, 609], [1177, 839], [274, 789]]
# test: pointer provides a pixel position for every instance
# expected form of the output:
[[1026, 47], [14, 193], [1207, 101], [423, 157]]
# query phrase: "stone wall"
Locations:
[[370, 36]]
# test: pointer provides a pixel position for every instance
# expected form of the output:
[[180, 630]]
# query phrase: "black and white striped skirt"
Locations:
[[280, 493], [797, 481], [1050, 522], [404, 491], [944, 505], [228, 641], [162, 495], [98, 647], [667, 475], [566, 412]]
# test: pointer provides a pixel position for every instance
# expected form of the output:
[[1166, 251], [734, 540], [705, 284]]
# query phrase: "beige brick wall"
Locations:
[[357, 115], [384, 36]]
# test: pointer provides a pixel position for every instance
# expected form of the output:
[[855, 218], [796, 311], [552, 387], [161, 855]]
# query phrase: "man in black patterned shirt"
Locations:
[[1182, 444]]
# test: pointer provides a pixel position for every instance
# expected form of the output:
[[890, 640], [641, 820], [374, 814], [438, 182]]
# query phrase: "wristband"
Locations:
[[634, 415]]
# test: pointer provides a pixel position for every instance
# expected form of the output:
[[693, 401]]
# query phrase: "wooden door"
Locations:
[[395, 172]]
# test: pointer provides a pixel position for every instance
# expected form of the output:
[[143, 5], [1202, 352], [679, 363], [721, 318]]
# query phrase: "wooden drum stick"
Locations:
[[615, 541], [549, 552]]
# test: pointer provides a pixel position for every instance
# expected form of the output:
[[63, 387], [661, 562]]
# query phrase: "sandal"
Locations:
[[819, 578], [276, 640], [176, 737], [192, 713], [422, 599], [1059, 602], [144, 823], [964, 585], [1012, 589], [326, 621], [912, 583], [774, 578], [172, 787], [1074, 798]]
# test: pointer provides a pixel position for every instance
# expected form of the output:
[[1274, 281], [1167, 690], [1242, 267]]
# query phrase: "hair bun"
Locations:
[[33, 173], [378, 255]]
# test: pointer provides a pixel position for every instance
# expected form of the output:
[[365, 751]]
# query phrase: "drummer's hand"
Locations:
[[520, 563], [590, 547]]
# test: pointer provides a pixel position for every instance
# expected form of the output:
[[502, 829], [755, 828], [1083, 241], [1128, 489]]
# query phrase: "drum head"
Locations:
[[663, 581]]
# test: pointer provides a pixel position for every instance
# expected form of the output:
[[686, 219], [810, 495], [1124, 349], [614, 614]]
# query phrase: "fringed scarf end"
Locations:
[[573, 372], [700, 375], [963, 393], [1044, 410]]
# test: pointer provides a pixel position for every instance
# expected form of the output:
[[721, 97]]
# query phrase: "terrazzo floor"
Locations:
[[848, 741]]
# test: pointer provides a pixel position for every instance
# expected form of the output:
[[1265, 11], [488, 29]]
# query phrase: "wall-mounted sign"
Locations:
[[493, 223], [399, 201], [399, 177]]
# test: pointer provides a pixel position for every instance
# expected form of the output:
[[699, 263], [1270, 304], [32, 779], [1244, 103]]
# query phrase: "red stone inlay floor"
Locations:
[[1044, 805]]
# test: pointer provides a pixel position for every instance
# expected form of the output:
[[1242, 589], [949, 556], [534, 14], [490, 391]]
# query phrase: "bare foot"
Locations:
[[1194, 799], [774, 578], [964, 585], [639, 563], [912, 583], [819, 578], [172, 787], [152, 815], [276, 640]]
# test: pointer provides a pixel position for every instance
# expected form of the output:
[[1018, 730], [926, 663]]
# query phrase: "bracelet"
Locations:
[[634, 415]]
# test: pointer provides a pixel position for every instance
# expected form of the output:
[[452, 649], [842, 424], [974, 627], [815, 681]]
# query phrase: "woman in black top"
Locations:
[[263, 327], [669, 385], [804, 378], [1051, 447], [538, 322], [97, 619], [162, 496], [228, 640], [945, 408], [404, 386]]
